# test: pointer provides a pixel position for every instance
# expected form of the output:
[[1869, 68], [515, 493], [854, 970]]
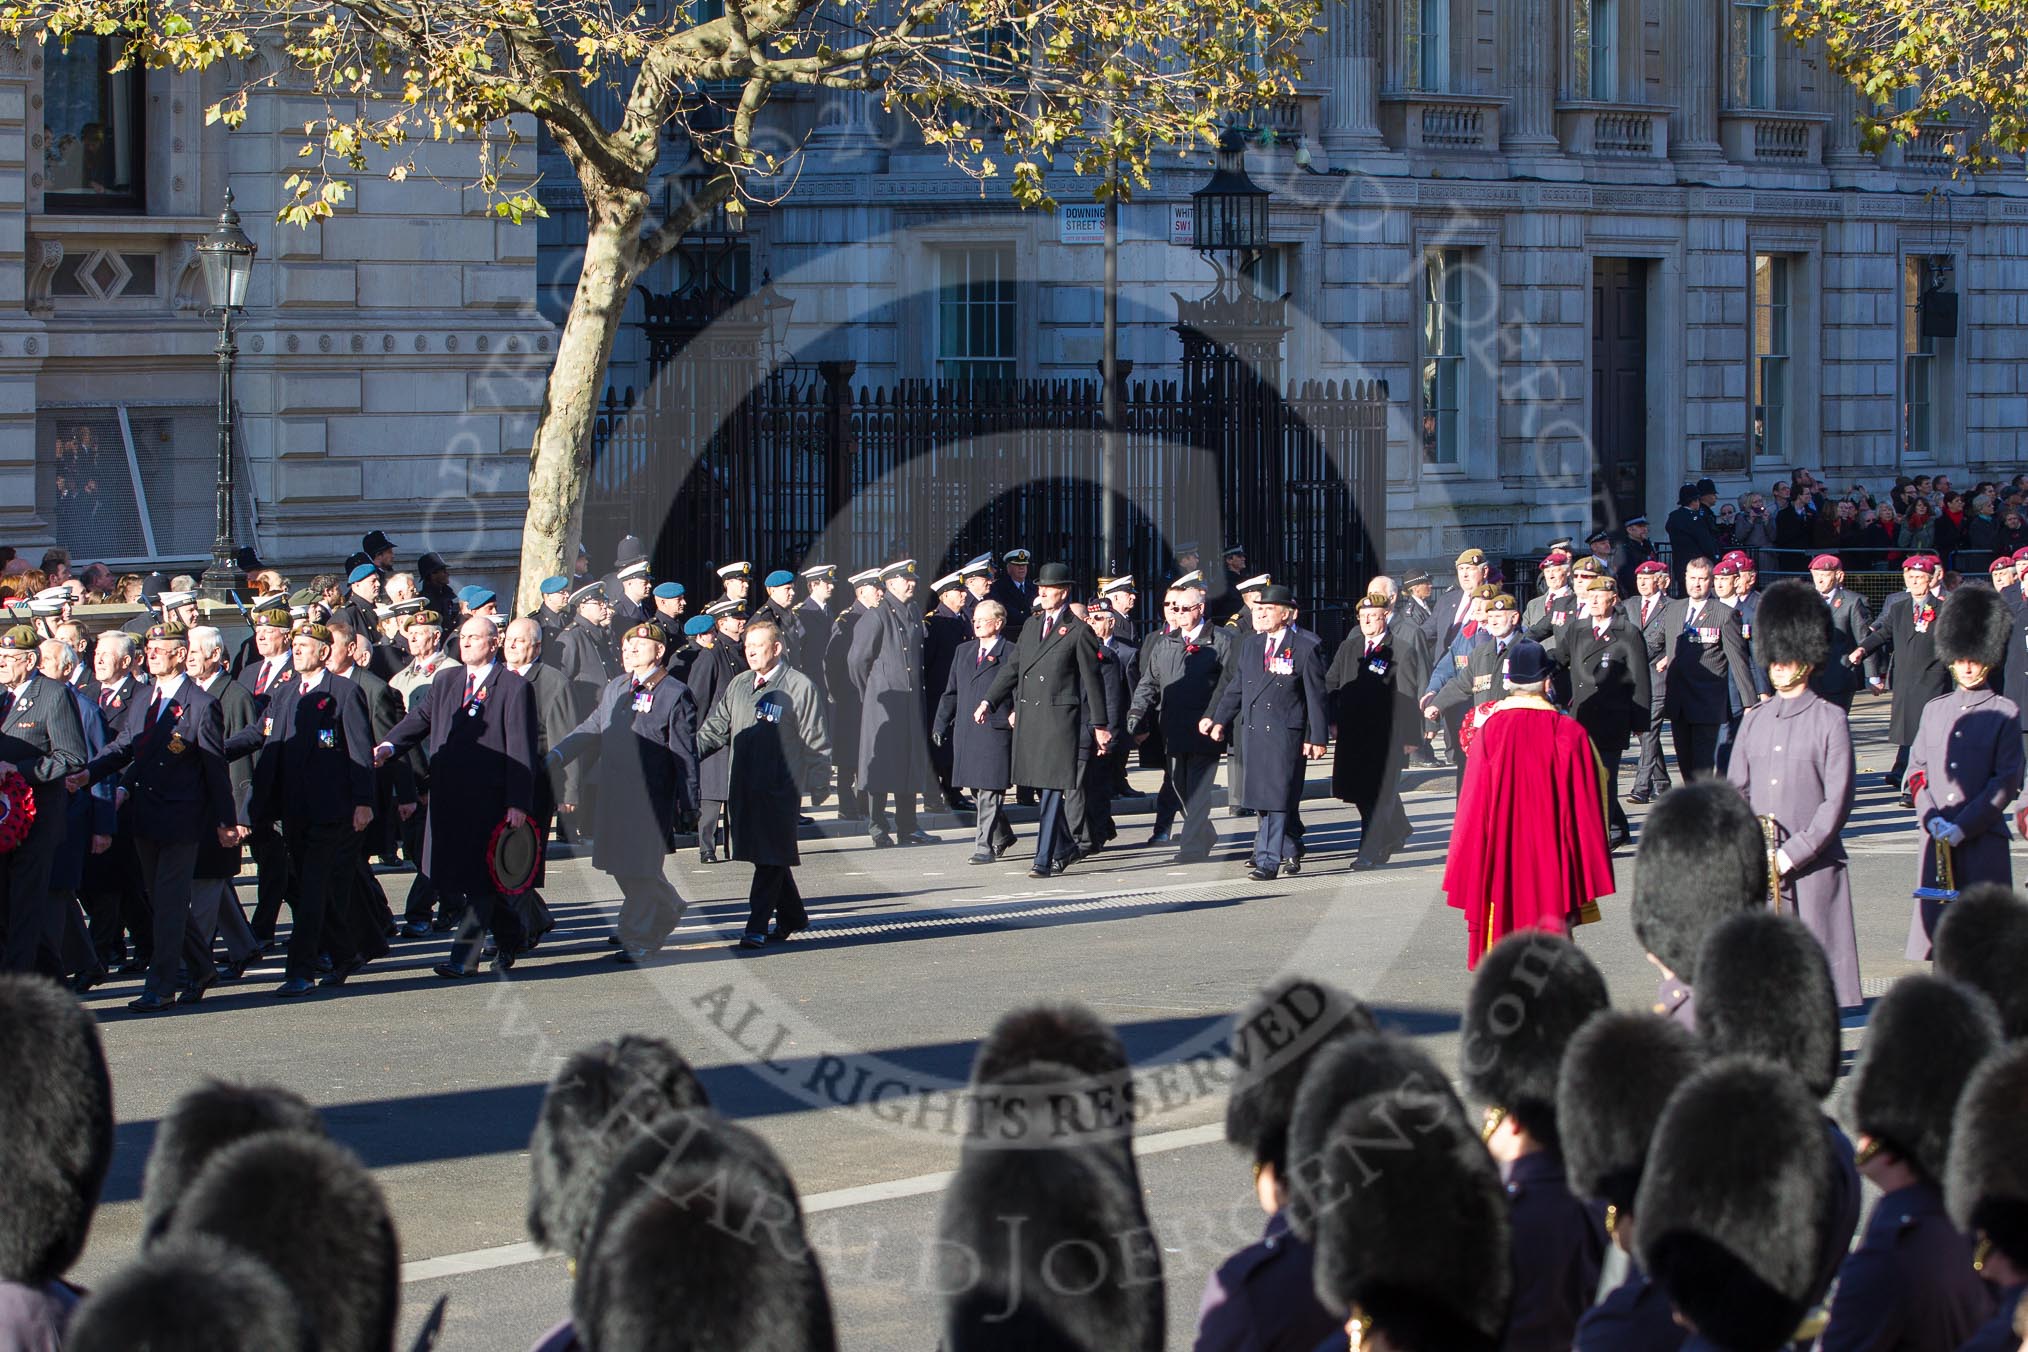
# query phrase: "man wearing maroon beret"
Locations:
[[1919, 674], [1851, 621]]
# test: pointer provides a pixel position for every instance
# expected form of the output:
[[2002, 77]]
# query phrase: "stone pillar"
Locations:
[[1351, 72], [1690, 48], [22, 342], [1841, 138], [846, 126], [1528, 37]]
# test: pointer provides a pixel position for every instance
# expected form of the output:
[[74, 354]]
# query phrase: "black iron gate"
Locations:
[[706, 470]]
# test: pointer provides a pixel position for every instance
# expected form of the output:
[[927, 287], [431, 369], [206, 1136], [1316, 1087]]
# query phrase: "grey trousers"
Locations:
[[1651, 776], [215, 914], [168, 867], [649, 910], [994, 833]]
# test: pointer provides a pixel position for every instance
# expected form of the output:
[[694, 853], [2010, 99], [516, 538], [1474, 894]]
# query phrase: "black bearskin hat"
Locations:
[[1982, 941], [1986, 1179], [1048, 1247], [1975, 625], [1792, 625], [1341, 1072], [1617, 1076], [1273, 1039], [204, 1122], [1532, 993], [311, 1212], [56, 1128], [1701, 859], [191, 1294], [1726, 1219], [1764, 989], [1922, 1043], [594, 1108], [699, 1243], [1416, 1238]]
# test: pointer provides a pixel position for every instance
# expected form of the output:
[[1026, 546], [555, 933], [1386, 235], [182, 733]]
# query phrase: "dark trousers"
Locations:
[[1727, 730], [774, 893], [169, 866], [1193, 778], [903, 823], [1270, 839], [422, 893], [1609, 754], [1696, 747], [710, 812], [1093, 823], [1900, 766], [215, 914], [1651, 775], [33, 922], [649, 910], [272, 869], [487, 912], [116, 902], [1383, 825], [1167, 804], [992, 835], [1052, 839], [320, 882]]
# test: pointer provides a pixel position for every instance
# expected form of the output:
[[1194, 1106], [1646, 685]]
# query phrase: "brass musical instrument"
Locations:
[[1946, 876], [1770, 831]]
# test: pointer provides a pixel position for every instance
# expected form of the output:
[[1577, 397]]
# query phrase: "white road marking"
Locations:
[[515, 1255]]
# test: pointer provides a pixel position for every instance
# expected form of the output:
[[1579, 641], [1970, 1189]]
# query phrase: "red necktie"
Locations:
[[471, 688], [261, 681], [1471, 628], [982, 658]]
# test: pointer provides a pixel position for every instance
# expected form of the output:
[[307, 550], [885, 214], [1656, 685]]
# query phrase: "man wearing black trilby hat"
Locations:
[[1053, 677], [1793, 761], [1911, 1282], [1966, 762]]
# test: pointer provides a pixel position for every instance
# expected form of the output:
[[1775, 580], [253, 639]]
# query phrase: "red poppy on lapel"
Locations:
[[1062, 629]]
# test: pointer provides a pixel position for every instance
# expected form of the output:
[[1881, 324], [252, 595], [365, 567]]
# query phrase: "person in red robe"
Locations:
[[1529, 848]]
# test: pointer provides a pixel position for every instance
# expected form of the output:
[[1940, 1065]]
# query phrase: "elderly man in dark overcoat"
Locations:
[[843, 696], [886, 662], [1180, 671], [982, 754], [1375, 723], [645, 726], [1274, 699], [771, 721], [1611, 694], [478, 719], [1054, 679], [1907, 626]]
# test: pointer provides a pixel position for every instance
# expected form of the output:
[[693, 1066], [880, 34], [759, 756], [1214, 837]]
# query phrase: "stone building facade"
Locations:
[[1596, 248], [391, 358]]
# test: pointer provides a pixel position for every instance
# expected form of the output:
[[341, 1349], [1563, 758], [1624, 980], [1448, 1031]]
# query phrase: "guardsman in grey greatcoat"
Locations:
[[1793, 761]]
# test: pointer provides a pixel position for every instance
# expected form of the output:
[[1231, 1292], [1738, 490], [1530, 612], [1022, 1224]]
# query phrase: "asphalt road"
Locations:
[[842, 1047]]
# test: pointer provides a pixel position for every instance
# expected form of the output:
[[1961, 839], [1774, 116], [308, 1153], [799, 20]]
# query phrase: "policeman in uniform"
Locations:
[[1600, 543], [1181, 670], [886, 663], [1275, 703], [1631, 551], [1904, 628], [843, 692], [1912, 1283], [42, 740], [737, 581], [1544, 983]]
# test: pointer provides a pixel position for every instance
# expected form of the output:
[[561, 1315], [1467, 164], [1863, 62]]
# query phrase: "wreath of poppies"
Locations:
[[17, 810], [1473, 722]]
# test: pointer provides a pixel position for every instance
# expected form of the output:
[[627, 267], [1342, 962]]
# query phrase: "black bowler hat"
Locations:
[[1527, 663], [1277, 594], [1053, 575]]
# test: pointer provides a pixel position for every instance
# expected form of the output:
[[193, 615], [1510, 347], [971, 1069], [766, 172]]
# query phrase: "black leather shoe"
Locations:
[[1640, 796], [490, 950], [194, 992], [1003, 847], [882, 841], [1291, 867], [613, 941], [1617, 839], [985, 857], [416, 929], [781, 934], [1262, 875], [1191, 856], [151, 1004], [1040, 871], [504, 962], [1162, 838], [707, 856], [324, 964], [753, 941], [451, 971], [631, 957], [1365, 865], [921, 838], [339, 974], [84, 981], [1906, 800], [294, 987], [1890, 781]]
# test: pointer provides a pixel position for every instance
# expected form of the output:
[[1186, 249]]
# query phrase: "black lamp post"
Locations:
[[1230, 212], [776, 311], [228, 265]]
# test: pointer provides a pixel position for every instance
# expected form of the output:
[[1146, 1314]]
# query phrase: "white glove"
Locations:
[[1953, 836], [1784, 865], [1938, 828]]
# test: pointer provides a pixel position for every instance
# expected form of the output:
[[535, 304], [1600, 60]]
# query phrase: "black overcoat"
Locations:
[[482, 762], [646, 774], [886, 661], [1276, 707], [982, 755], [1053, 677]]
